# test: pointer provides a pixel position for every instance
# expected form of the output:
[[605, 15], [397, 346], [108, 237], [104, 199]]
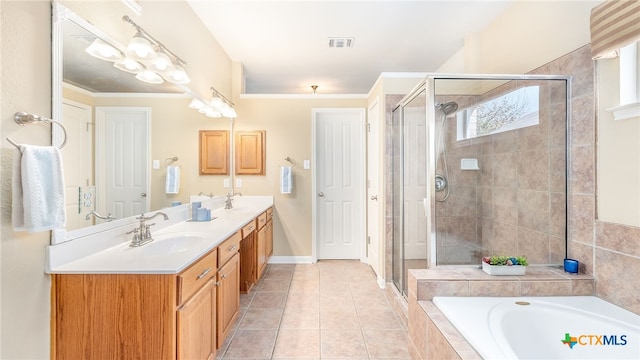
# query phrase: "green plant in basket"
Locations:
[[505, 260]]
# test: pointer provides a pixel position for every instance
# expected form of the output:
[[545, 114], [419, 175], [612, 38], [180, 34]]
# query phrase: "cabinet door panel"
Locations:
[[262, 250], [214, 152], [228, 297], [196, 325], [250, 152]]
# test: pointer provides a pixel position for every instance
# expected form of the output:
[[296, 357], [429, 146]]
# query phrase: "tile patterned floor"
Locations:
[[328, 310]]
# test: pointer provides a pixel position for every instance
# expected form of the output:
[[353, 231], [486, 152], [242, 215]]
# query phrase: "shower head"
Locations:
[[448, 108]]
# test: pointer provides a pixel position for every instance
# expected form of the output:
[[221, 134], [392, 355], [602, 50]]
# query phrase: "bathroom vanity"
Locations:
[[174, 298]]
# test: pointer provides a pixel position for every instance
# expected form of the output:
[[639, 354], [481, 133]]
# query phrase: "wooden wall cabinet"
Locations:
[[250, 152], [214, 152]]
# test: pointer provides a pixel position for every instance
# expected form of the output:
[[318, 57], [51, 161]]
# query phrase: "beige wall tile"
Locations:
[[583, 287], [428, 289], [545, 288], [617, 279], [494, 288], [617, 237]]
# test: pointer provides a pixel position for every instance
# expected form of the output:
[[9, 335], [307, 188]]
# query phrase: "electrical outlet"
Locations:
[[226, 183], [238, 183]]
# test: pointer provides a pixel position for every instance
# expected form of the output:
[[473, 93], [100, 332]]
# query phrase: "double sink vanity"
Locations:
[[175, 297]]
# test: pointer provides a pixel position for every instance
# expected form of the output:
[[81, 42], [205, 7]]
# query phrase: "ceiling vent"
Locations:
[[344, 42]]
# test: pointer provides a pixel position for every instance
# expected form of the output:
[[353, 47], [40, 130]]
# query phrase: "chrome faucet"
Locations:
[[227, 203], [97, 215], [142, 234]]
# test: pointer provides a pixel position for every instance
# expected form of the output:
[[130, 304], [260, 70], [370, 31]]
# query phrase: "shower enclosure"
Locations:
[[479, 168]]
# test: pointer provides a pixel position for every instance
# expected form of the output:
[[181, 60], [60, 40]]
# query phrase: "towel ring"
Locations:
[[23, 118]]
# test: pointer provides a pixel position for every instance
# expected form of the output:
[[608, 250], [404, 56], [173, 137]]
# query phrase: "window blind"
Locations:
[[614, 24]]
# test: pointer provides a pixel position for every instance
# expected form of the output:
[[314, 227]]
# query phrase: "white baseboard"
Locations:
[[291, 260], [381, 283]]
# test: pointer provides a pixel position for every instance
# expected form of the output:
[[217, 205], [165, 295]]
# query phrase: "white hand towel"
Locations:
[[173, 180], [286, 180], [38, 189]]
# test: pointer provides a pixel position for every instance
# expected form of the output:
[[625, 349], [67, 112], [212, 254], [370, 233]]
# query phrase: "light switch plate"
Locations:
[[307, 165], [156, 164], [238, 183], [226, 183]]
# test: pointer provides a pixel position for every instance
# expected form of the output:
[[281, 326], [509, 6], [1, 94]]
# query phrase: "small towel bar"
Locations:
[[23, 118]]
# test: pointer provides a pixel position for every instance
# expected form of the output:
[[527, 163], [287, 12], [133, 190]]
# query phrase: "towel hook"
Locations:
[[290, 160], [172, 159], [23, 118]]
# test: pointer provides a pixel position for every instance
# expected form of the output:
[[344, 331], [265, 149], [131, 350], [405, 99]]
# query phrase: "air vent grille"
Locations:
[[341, 42]]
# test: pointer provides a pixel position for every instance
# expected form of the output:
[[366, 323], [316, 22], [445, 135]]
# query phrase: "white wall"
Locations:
[[529, 34], [26, 86]]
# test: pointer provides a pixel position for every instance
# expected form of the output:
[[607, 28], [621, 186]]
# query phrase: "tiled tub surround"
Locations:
[[431, 335]]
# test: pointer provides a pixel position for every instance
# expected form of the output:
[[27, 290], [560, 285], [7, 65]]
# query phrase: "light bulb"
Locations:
[[140, 48], [103, 51], [161, 63], [149, 77], [129, 65]]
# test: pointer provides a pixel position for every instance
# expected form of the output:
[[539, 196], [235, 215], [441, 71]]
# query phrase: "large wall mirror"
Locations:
[[109, 115]]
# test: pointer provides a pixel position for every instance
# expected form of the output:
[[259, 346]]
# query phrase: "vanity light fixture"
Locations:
[[222, 104], [155, 57]]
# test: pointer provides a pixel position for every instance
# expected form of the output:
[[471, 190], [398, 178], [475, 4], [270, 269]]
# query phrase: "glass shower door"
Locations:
[[414, 128], [409, 188]]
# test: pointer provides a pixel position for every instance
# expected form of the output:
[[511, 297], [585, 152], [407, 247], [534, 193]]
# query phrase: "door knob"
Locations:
[[374, 197], [143, 194], [321, 194]]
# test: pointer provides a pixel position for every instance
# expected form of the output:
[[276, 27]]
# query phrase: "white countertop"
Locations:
[[161, 256]]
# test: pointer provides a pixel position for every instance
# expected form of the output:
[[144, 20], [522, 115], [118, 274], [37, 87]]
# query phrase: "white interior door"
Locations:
[[77, 158], [339, 183], [373, 210], [122, 160]]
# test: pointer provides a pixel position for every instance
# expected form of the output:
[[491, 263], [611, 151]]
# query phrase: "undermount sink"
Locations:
[[172, 243]]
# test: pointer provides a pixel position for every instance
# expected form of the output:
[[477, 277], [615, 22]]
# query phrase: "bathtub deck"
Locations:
[[538, 281], [432, 336]]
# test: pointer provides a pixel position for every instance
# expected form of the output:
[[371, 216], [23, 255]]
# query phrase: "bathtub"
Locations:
[[569, 327]]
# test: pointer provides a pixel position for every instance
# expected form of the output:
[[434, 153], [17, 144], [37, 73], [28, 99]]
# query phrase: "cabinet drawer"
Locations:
[[192, 279], [228, 248], [269, 214], [248, 229], [262, 220]]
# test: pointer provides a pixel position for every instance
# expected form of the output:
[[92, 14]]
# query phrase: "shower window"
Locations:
[[515, 110]]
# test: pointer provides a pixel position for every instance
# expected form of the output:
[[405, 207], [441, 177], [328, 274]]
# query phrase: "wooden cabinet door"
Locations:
[[262, 250], [214, 152], [228, 301], [197, 326], [250, 152], [269, 241], [248, 261]]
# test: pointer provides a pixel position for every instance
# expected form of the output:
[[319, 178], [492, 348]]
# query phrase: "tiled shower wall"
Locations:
[[515, 203]]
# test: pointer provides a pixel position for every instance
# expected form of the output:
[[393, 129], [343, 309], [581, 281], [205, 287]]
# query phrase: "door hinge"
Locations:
[[368, 240], [368, 127]]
